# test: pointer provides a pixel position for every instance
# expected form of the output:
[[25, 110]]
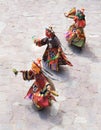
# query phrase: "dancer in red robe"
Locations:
[[42, 91], [53, 55]]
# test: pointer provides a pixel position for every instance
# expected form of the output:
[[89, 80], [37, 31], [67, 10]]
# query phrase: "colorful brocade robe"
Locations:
[[38, 91], [53, 55]]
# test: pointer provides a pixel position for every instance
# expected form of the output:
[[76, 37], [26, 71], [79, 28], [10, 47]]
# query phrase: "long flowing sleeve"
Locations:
[[28, 75], [42, 42]]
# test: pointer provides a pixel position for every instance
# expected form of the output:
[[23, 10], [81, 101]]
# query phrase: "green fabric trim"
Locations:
[[80, 16], [53, 58], [80, 43]]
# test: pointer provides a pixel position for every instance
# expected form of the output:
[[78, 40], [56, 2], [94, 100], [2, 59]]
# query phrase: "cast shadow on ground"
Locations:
[[75, 49], [84, 52], [61, 75], [45, 114]]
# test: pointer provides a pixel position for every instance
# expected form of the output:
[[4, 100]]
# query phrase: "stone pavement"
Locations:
[[78, 106]]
